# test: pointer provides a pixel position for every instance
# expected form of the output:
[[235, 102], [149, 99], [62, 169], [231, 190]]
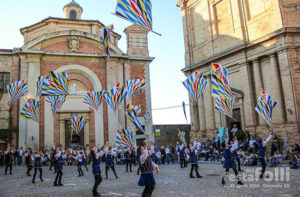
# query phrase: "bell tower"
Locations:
[[73, 10]]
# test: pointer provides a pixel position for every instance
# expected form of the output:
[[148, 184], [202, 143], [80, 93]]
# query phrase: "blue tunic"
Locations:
[[181, 153], [146, 179], [59, 164], [96, 165], [37, 162], [126, 155], [229, 162], [109, 160], [261, 150], [234, 154], [193, 156]]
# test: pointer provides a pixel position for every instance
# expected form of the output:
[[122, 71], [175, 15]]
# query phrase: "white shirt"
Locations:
[[167, 151], [21, 152]]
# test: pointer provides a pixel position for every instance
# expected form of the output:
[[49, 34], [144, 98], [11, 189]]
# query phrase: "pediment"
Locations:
[[136, 29]]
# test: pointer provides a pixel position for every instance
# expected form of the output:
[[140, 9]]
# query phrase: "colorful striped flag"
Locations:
[[55, 84], [265, 107], [225, 106], [106, 36], [115, 96], [136, 11], [135, 121], [181, 136], [195, 84], [31, 110], [94, 99], [135, 85], [220, 82], [17, 89], [56, 102]]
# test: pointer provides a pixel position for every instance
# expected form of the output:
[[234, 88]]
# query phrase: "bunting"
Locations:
[[77, 124], [16, 90], [31, 110]]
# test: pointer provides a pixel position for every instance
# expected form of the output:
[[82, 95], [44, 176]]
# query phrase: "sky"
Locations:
[[165, 71]]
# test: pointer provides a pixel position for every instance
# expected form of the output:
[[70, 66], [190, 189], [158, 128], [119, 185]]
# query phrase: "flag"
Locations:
[[115, 96], [31, 110], [195, 84], [220, 82], [77, 124], [136, 11], [135, 85], [135, 121], [94, 99], [55, 84], [147, 118], [56, 102], [125, 138], [39, 84], [184, 111], [181, 136], [120, 141], [136, 109], [265, 107], [106, 35], [225, 106], [17, 89]]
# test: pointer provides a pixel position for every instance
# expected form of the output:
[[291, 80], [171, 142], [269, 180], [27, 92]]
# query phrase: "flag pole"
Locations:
[[136, 24]]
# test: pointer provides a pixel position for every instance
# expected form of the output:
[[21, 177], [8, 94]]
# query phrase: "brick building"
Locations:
[[74, 46], [258, 42]]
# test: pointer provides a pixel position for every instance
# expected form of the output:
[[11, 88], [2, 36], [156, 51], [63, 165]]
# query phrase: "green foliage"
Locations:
[[6, 134], [240, 134]]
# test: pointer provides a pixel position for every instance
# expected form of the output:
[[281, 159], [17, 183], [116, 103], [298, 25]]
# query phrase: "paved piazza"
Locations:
[[173, 181]]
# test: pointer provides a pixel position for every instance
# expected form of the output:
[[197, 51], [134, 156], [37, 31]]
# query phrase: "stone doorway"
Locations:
[[237, 121], [74, 140]]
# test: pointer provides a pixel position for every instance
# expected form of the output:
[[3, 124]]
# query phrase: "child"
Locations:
[[109, 162], [59, 167], [147, 167], [79, 164], [229, 162]]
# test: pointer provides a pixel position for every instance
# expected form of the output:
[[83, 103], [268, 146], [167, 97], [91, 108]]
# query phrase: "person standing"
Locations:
[[96, 158], [261, 146], [20, 156], [229, 162], [127, 155], [235, 156], [168, 154], [28, 161], [147, 167], [193, 161], [109, 162], [8, 160], [59, 167], [37, 165], [16, 155]]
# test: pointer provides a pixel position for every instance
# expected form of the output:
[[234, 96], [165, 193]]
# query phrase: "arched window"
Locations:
[[73, 14]]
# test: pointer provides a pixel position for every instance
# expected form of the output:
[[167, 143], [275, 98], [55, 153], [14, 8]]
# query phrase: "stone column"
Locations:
[[48, 126], [258, 83], [86, 132], [276, 91], [287, 86], [29, 129], [209, 106], [62, 133], [201, 108]]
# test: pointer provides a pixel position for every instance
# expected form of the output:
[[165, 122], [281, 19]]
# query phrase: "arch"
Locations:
[[73, 14], [98, 115]]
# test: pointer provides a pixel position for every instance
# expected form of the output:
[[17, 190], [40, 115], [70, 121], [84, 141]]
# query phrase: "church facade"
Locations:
[[258, 42], [74, 46]]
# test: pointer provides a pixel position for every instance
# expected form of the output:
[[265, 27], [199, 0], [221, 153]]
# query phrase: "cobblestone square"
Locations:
[[172, 181]]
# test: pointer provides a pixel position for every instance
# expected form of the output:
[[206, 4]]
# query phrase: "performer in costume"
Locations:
[[28, 161], [127, 155], [58, 166], [84, 160], [96, 157], [235, 156], [182, 156], [79, 163], [109, 162], [52, 162], [147, 167], [37, 165], [229, 162], [194, 161], [8, 160], [261, 146]]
